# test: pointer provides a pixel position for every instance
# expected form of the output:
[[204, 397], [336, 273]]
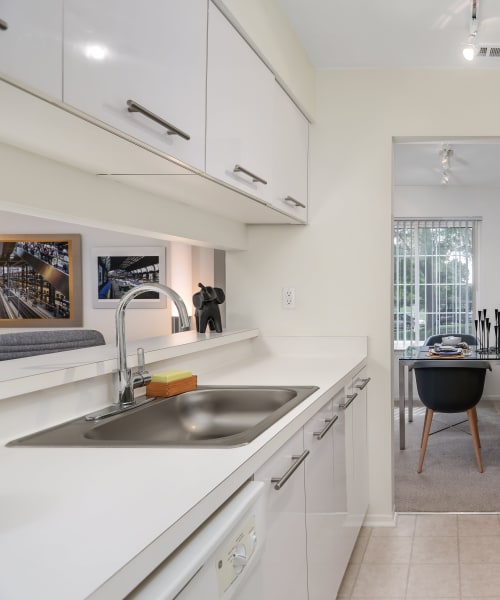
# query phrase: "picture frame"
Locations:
[[40, 280], [115, 270]]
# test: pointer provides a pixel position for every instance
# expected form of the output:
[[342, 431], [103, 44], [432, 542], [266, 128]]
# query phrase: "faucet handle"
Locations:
[[140, 360], [141, 377]]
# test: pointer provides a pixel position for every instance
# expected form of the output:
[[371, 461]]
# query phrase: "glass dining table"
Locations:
[[406, 361]]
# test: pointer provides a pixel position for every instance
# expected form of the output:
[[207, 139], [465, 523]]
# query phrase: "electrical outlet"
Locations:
[[288, 297]]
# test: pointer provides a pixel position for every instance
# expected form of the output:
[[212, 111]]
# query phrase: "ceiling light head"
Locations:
[[469, 49], [445, 154]]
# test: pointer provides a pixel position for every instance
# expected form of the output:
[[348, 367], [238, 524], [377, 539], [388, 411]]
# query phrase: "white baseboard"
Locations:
[[382, 520]]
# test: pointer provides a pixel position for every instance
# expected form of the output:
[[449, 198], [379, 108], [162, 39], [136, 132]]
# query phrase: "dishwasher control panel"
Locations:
[[220, 560], [236, 554]]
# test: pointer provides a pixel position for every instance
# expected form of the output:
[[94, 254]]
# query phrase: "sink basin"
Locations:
[[207, 416]]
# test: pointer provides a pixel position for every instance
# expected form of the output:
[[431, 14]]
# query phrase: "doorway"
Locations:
[[468, 192]]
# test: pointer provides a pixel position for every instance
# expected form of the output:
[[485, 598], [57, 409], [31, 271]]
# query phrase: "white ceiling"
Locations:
[[472, 162], [406, 34], [392, 33]]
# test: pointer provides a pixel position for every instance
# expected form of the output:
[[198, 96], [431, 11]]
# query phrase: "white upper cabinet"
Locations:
[[141, 68], [151, 90], [31, 43], [240, 90], [290, 152]]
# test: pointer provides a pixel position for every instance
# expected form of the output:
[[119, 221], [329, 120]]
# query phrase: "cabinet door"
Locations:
[[355, 413], [326, 503], [290, 155], [239, 110], [360, 435], [283, 565], [31, 43], [153, 55], [344, 405]]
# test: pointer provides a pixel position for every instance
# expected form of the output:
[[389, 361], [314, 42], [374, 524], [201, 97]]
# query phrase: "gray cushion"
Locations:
[[31, 343]]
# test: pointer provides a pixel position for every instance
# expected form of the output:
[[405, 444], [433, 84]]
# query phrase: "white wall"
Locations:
[[341, 262]]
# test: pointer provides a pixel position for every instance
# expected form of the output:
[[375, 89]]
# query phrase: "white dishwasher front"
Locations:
[[216, 561]]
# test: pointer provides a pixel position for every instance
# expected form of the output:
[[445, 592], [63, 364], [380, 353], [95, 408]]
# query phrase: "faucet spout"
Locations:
[[126, 381]]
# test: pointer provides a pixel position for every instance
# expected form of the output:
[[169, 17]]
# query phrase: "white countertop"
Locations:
[[91, 522]]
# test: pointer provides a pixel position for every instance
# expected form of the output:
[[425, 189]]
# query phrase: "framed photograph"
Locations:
[[117, 269], [40, 280]]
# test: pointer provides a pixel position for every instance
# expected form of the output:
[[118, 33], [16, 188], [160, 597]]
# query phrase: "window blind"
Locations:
[[434, 277]]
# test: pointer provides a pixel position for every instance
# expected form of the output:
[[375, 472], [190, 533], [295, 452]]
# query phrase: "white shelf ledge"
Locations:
[[24, 375]]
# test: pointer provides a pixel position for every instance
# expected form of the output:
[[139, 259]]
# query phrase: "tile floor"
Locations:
[[427, 556]]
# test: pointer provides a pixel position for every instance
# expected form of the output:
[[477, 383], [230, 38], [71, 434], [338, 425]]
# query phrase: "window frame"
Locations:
[[406, 274]]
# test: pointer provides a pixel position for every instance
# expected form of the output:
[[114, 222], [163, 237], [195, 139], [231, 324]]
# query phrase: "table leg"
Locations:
[[410, 396], [401, 405]]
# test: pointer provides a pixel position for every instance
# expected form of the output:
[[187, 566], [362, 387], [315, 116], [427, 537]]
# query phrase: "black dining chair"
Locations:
[[438, 338], [450, 386]]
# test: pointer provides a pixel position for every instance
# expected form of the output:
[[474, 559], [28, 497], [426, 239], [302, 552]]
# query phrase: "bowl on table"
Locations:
[[451, 340]]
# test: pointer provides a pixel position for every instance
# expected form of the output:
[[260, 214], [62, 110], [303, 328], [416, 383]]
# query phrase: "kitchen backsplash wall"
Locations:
[[186, 265]]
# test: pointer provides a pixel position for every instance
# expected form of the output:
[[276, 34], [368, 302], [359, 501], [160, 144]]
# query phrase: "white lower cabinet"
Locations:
[[354, 408], [360, 442], [317, 499], [283, 567], [328, 535]]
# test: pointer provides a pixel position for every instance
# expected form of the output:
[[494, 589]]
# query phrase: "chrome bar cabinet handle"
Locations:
[[255, 178], [363, 384], [279, 482], [134, 106], [3, 25], [291, 200], [348, 399], [319, 435]]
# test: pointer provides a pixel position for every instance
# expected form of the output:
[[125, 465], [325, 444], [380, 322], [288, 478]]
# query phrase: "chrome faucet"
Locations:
[[128, 381]]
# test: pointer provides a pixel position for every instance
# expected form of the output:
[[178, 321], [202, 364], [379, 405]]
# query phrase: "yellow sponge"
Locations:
[[169, 376]]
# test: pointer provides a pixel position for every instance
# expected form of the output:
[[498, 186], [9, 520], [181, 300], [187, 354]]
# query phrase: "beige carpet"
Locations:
[[450, 481]]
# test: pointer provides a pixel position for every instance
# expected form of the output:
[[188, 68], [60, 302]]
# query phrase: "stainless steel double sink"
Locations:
[[222, 416]]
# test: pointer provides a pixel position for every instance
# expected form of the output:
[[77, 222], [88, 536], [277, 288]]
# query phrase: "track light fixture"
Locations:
[[469, 49], [445, 154]]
